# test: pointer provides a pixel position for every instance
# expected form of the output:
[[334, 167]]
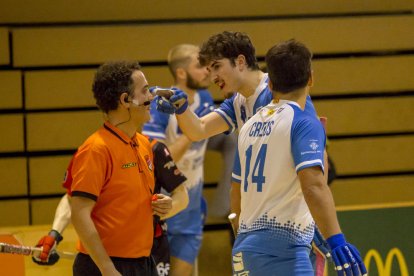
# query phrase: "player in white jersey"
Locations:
[[230, 58], [185, 229], [281, 174]]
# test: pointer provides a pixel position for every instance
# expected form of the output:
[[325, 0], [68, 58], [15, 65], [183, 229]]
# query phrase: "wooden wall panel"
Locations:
[[10, 89], [20, 11], [43, 210], [373, 155], [72, 88], [367, 115], [13, 177], [4, 46], [93, 45], [11, 129], [378, 190], [47, 174], [57, 89], [14, 212], [213, 166], [61, 130], [363, 75]]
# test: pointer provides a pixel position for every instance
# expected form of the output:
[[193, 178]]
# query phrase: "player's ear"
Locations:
[[181, 73], [241, 62]]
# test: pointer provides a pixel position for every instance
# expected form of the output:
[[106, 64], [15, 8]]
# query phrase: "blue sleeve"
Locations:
[[236, 175], [309, 107], [157, 125], [226, 111], [308, 143], [205, 97]]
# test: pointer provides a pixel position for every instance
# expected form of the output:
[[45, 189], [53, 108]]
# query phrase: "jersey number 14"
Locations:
[[256, 176]]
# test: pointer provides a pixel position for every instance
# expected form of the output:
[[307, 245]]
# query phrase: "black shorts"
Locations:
[[84, 266], [161, 253]]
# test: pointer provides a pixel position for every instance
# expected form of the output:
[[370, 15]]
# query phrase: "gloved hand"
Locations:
[[48, 244], [346, 257], [321, 244], [179, 100], [204, 109], [177, 103]]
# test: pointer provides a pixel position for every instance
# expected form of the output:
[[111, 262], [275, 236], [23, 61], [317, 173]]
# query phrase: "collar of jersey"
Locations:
[[117, 133]]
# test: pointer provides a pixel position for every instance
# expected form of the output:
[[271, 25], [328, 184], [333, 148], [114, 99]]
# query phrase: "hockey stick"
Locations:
[[29, 250], [232, 219]]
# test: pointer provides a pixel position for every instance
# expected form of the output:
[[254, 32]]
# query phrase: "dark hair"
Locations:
[[228, 45], [289, 66], [111, 80]]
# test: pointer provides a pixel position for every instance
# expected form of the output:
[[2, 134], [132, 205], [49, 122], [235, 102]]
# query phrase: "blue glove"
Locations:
[[346, 257], [204, 109], [179, 101], [321, 244], [164, 105]]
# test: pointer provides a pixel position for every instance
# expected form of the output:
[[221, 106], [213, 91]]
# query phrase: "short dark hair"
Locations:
[[289, 66], [111, 80], [228, 45]]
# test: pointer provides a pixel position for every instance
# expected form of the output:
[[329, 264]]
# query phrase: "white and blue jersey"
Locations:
[[238, 109], [165, 127], [275, 144]]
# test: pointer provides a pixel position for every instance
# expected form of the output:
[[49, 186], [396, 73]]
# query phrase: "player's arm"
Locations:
[[169, 177], [319, 199], [62, 215], [310, 170], [85, 228], [180, 201], [50, 241], [201, 128], [194, 127]]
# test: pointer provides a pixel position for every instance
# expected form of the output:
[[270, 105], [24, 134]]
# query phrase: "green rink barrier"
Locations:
[[384, 237]]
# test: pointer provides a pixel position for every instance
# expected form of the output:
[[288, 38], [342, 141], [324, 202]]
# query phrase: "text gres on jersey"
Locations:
[[260, 129]]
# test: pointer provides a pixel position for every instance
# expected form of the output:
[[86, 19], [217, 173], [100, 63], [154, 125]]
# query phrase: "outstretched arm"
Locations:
[[201, 128]]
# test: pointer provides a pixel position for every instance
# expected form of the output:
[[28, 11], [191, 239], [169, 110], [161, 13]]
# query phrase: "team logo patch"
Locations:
[[314, 146], [270, 112], [129, 165], [149, 163]]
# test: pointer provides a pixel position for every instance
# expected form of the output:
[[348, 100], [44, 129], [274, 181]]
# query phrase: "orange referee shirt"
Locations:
[[118, 173]]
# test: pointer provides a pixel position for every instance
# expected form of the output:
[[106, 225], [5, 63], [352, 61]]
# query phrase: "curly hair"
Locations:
[[289, 66], [228, 45], [111, 80]]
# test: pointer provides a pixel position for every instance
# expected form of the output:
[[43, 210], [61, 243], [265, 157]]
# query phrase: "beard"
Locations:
[[193, 84]]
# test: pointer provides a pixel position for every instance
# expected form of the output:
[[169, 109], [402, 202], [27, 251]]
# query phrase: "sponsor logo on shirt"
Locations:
[[314, 146], [129, 165], [169, 165]]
